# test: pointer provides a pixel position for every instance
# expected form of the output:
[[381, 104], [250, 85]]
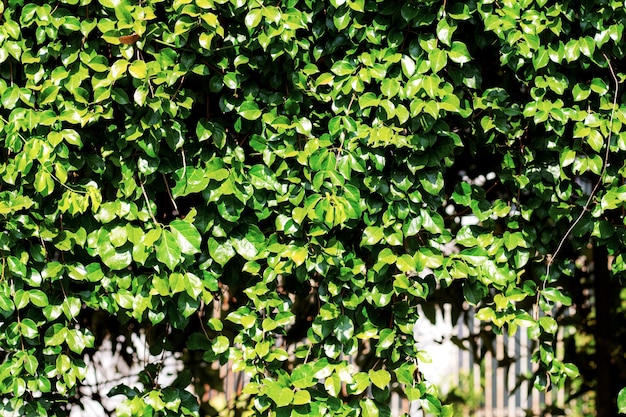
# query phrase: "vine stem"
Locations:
[[605, 162], [145, 196], [169, 194]]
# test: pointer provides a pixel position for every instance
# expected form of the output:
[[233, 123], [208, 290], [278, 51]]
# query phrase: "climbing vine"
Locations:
[[312, 171]]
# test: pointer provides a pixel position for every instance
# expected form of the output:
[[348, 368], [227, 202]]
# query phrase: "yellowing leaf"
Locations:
[[381, 378], [138, 69], [299, 255]]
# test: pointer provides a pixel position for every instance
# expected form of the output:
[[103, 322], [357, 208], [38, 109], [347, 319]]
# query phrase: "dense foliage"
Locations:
[[310, 166]]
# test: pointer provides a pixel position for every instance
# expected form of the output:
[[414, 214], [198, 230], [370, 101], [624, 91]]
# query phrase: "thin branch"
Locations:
[[169, 193], [145, 196], [605, 162], [180, 85], [184, 158]]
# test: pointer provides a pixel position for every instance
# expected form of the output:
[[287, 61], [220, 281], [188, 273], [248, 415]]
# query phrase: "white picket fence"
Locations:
[[484, 387]]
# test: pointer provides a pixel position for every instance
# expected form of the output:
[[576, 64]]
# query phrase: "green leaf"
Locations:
[[253, 18], [360, 384], [438, 59], [387, 339], [75, 341], [458, 53], [390, 87], [280, 395], [38, 298], [459, 11], [369, 408], [595, 140], [514, 240], [368, 99], [10, 96], [48, 95], [621, 401], [44, 183], [381, 378], [195, 180], [31, 364], [357, 5], [12, 28], [176, 283], [445, 31], [302, 398], [572, 50], [568, 156], [114, 258], [580, 92], [408, 66], [245, 248], [324, 79], [432, 182], [167, 250], [198, 341], [599, 86], [387, 256], [342, 68], [55, 335], [221, 344], [344, 329], [303, 377], [548, 324], [541, 58], [28, 328], [587, 46], [140, 95], [221, 252], [118, 69], [187, 236], [231, 81], [372, 235], [431, 404], [249, 110], [21, 299], [474, 292], [555, 295]]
